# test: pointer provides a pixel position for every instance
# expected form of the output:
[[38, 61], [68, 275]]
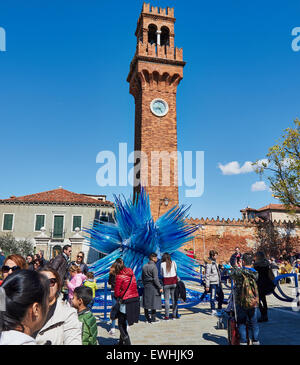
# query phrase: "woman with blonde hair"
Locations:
[[77, 278]]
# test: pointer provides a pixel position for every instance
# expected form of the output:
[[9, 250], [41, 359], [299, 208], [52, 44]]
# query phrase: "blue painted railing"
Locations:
[[103, 301], [284, 297]]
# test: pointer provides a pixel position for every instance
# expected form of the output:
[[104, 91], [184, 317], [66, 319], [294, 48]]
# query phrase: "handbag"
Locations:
[[178, 278], [116, 308]]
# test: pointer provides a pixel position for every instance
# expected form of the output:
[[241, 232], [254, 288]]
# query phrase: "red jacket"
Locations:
[[122, 282]]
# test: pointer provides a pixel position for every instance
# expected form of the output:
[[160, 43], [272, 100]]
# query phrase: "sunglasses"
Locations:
[[80, 257], [52, 282], [6, 269]]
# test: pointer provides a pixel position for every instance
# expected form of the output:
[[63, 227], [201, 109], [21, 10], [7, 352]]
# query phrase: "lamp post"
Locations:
[[165, 201]]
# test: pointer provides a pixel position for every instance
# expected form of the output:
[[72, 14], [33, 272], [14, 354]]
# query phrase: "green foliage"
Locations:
[[9, 245], [283, 168]]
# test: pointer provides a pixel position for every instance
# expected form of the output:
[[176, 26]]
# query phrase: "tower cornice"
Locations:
[[152, 60]]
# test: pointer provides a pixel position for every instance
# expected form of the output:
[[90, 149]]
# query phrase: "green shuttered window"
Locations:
[[8, 222], [76, 222], [39, 222], [58, 226]]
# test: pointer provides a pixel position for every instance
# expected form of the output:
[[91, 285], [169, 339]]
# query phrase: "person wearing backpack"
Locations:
[[265, 283], [246, 299]]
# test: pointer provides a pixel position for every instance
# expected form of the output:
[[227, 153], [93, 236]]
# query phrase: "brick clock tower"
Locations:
[[155, 72]]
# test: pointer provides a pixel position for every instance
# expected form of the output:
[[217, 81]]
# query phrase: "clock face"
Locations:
[[159, 107]]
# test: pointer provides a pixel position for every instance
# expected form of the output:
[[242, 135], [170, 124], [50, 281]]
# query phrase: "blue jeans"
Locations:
[[250, 316], [216, 293]]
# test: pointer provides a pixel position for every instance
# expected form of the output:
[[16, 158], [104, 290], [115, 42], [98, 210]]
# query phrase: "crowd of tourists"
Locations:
[[47, 302], [128, 298], [50, 302], [252, 278]]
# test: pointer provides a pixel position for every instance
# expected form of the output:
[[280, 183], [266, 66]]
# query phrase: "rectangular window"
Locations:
[[8, 221], [58, 228], [76, 222], [39, 222]]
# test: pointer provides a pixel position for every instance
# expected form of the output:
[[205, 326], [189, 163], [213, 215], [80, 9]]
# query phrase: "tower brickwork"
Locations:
[[155, 72]]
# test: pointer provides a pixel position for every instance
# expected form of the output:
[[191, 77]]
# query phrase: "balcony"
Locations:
[[57, 235]]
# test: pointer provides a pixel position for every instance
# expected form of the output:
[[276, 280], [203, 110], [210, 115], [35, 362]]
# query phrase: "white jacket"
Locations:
[[63, 328], [163, 270], [16, 338]]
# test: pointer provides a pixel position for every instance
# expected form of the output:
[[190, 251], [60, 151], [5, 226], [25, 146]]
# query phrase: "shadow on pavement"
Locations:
[[192, 310], [107, 341], [219, 340], [282, 328]]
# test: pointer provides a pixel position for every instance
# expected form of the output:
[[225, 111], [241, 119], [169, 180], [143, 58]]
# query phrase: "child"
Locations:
[[77, 278], [81, 298], [91, 283]]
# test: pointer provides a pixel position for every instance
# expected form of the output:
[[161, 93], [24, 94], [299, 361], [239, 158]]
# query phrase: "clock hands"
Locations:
[[159, 108]]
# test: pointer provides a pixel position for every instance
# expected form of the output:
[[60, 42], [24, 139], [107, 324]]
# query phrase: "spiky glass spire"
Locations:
[[135, 236]]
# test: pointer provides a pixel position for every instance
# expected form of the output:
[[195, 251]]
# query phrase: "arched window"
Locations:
[[165, 36], [152, 36]]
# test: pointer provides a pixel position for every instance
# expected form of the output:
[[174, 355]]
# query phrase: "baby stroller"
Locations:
[[223, 317]]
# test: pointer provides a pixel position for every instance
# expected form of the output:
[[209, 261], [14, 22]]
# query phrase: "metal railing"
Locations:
[[284, 297], [103, 300], [60, 236]]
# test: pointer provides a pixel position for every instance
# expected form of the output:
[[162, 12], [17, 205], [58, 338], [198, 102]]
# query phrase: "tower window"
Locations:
[[165, 36], [152, 36]]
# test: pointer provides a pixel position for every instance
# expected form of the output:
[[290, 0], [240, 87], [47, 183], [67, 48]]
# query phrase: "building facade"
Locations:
[[54, 218], [272, 212]]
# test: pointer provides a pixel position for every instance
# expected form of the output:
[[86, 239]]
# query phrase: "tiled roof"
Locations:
[[59, 195], [275, 207]]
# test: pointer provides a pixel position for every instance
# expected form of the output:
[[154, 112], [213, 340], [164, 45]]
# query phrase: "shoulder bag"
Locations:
[[116, 308]]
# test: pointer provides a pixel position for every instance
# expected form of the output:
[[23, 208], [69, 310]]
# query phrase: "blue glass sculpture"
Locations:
[[135, 235]]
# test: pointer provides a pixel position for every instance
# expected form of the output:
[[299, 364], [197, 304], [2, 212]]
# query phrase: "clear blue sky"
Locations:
[[64, 95]]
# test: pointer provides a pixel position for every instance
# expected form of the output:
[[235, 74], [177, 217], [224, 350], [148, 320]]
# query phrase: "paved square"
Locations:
[[198, 327]]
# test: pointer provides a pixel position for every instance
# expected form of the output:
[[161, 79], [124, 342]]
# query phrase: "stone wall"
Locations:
[[225, 235]]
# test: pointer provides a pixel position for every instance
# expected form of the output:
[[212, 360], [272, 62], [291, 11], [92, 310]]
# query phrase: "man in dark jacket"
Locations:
[[43, 261], [61, 262], [152, 289], [264, 283], [236, 258]]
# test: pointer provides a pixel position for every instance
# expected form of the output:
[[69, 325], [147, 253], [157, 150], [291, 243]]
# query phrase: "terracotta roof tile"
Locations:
[[57, 196], [275, 207]]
